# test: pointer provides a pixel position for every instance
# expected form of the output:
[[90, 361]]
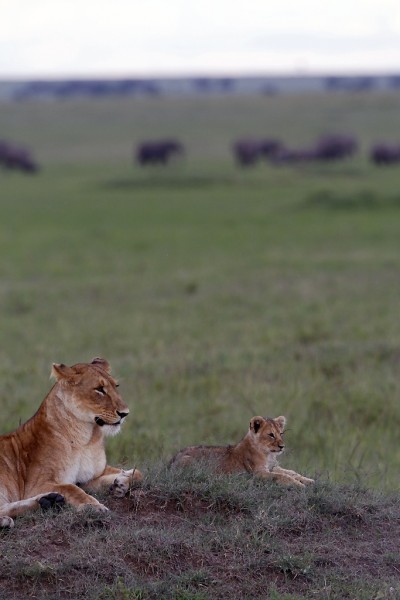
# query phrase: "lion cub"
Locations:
[[256, 453]]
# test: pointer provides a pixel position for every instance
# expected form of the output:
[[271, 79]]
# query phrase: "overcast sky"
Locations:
[[126, 38]]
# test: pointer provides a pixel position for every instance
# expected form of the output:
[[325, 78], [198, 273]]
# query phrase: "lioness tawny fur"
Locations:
[[62, 445]]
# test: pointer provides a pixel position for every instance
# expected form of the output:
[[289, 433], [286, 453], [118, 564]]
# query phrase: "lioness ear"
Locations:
[[103, 363], [256, 423], [60, 371], [281, 422]]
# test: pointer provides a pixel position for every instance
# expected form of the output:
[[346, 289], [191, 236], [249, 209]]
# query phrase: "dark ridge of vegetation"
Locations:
[[188, 536], [164, 181], [361, 200]]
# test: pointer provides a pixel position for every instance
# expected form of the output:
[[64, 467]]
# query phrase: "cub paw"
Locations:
[[307, 480], [298, 483], [52, 500], [6, 522]]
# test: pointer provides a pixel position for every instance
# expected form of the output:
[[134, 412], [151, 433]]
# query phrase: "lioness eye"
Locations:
[[100, 389]]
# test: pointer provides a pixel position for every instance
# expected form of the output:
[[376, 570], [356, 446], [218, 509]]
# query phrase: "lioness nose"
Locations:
[[122, 414]]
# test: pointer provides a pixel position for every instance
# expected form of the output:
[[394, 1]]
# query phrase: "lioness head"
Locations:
[[90, 393], [267, 433]]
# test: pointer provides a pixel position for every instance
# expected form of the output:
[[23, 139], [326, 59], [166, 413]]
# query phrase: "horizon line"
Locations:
[[203, 74]]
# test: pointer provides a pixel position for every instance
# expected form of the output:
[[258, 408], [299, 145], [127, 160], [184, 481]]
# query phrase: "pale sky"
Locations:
[[127, 38]]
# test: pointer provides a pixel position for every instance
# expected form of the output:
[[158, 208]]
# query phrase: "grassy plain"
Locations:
[[215, 293]]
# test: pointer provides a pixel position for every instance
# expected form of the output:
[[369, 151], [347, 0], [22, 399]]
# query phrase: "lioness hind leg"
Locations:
[[44, 501], [14, 509], [75, 496], [52, 500]]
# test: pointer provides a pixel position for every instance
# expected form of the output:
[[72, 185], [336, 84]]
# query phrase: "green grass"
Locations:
[[216, 294]]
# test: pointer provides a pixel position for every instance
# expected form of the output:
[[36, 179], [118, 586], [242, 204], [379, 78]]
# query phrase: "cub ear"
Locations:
[[103, 364], [281, 422], [256, 423], [61, 371]]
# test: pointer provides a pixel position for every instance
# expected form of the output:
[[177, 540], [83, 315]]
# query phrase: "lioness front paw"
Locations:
[[52, 500], [121, 486], [6, 522]]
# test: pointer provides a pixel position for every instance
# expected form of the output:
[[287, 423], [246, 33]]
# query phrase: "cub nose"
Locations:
[[122, 414], [281, 446]]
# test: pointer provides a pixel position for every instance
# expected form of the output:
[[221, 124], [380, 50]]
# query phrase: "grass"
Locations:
[[186, 535], [216, 294]]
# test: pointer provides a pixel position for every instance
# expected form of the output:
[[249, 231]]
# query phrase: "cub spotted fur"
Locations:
[[256, 453], [60, 450]]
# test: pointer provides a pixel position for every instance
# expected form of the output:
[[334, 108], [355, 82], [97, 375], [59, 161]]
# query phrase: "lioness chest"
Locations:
[[84, 466]]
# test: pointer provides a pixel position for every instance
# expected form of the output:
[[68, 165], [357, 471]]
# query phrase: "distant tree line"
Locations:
[[99, 88]]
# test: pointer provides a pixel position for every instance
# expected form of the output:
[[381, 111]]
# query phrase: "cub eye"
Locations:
[[271, 435], [100, 390]]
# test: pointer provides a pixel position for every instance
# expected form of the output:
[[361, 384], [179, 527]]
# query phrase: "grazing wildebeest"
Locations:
[[293, 155], [385, 154], [327, 148], [249, 152], [246, 152], [16, 158], [334, 147], [158, 152]]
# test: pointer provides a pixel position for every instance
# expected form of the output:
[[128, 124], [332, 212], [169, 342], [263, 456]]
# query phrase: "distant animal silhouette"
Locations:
[[249, 152], [385, 154], [158, 152], [17, 158]]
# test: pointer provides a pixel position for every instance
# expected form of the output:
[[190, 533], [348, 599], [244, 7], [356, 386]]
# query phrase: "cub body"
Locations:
[[256, 453], [60, 450]]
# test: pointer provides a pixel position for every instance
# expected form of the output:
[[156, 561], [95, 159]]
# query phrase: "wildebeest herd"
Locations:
[[327, 148], [249, 152], [246, 152], [17, 158]]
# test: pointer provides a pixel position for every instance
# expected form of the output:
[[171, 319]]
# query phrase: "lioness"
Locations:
[[62, 445], [256, 453]]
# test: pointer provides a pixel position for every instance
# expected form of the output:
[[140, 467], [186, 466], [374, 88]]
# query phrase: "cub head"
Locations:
[[90, 392], [267, 433]]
